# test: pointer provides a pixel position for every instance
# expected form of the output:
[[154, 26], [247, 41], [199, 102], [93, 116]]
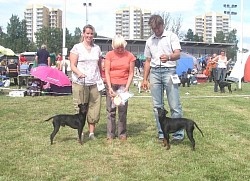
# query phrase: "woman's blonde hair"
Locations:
[[84, 29], [118, 41]]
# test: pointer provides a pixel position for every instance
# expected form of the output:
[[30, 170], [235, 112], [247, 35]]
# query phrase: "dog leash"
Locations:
[[161, 85], [83, 87]]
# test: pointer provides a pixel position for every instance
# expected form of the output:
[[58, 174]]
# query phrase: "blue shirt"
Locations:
[[24, 69]]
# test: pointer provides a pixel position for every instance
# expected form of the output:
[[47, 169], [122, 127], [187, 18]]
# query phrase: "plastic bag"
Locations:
[[6, 83], [121, 97]]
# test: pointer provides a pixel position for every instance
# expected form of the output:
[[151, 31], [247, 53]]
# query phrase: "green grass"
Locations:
[[222, 154]]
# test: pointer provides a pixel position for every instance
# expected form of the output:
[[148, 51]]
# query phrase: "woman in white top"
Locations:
[[85, 62], [222, 62]]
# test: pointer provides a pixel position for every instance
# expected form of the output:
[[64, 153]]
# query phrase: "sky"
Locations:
[[102, 13]]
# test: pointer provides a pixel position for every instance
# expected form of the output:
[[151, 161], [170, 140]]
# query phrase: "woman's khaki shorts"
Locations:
[[90, 95]]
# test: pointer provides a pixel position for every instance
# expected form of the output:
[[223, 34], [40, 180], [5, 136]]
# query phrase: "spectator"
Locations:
[[52, 59], [103, 70], [24, 69], [137, 67], [192, 75], [12, 71], [22, 59], [59, 59], [213, 67], [221, 68], [42, 57]]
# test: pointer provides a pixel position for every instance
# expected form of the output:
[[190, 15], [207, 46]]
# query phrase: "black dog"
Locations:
[[76, 121], [171, 125], [184, 79], [224, 84]]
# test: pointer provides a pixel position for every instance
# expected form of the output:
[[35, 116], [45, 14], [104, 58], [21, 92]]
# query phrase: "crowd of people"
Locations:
[[12, 68], [214, 67]]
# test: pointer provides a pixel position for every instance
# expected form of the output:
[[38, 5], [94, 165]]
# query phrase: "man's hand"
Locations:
[[145, 85], [164, 58]]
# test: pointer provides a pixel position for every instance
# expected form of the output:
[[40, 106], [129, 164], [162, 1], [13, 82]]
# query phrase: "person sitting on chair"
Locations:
[[24, 68], [12, 71]]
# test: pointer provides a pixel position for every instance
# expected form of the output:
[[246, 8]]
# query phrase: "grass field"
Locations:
[[222, 154]]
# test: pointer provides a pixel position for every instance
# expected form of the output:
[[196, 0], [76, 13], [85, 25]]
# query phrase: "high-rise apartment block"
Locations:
[[132, 23], [38, 16], [55, 18], [207, 25]]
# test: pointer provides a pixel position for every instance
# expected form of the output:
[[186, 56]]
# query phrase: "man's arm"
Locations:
[[48, 61], [36, 59], [171, 57], [146, 73]]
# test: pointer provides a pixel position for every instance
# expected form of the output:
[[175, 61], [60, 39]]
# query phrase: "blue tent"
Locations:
[[185, 62]]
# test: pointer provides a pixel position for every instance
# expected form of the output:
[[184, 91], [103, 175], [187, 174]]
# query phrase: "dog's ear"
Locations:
[[165, 111], [161, 112]]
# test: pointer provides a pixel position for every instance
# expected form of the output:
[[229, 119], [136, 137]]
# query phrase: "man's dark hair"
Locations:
[[155, 21]]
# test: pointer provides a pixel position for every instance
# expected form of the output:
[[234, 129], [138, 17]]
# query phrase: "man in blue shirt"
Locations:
[[42, 57]]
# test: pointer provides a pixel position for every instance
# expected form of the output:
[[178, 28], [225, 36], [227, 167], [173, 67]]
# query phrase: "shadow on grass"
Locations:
[[133, 129]]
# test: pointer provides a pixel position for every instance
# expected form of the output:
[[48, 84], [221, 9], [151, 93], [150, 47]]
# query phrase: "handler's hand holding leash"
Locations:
[[164, 58]]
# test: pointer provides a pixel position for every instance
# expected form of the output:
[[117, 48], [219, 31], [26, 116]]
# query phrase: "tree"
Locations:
[[189, 36], [232, 38], [166, 18], [23, 43], [220, 37], [17, 35], [72, 40], [198, 38], [172, 24], [51, 37], [176, 25], [3, 39]]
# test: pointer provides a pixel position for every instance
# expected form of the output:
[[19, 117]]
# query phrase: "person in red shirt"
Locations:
[[22, 59], [59, 59], [103, 70], [119, 72]]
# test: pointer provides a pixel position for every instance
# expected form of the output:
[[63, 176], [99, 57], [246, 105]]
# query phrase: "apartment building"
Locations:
[[207, 25], [55, 18], [37, 16], [131, 22]]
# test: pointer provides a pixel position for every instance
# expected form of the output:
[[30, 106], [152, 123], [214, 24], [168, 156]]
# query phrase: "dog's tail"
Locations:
[[198, 128], [49, 118]]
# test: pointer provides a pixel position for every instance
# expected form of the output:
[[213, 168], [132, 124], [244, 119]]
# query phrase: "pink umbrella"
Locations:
[[51, 75]]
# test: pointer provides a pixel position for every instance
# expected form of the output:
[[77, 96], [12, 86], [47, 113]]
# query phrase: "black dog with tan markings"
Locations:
[[76, 121], [171, 125], [224, 84]]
